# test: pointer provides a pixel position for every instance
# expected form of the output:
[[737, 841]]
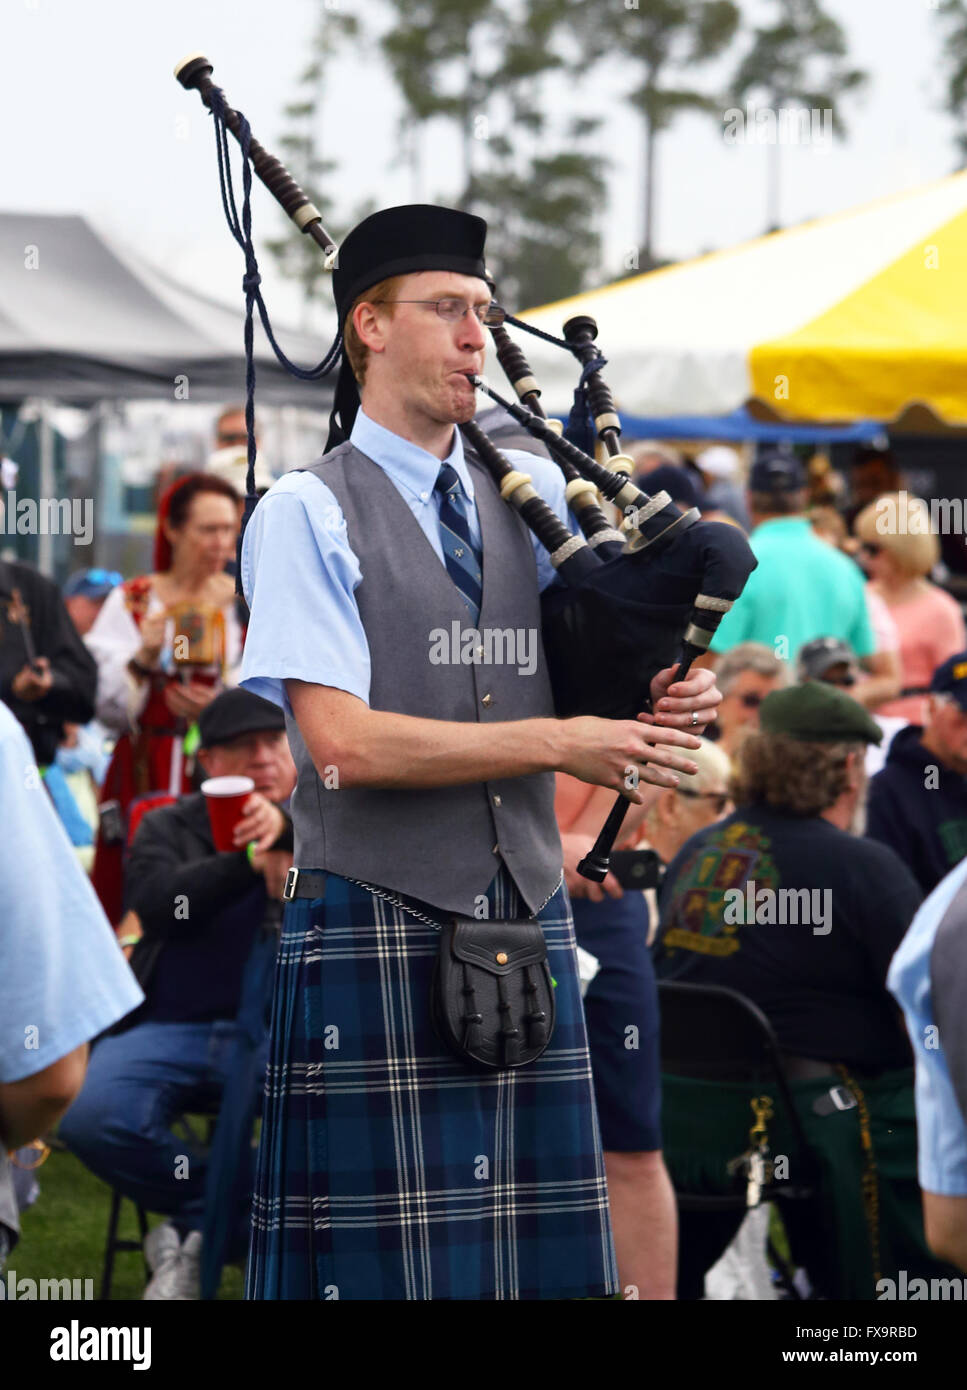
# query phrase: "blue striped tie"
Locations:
[[462, 558]]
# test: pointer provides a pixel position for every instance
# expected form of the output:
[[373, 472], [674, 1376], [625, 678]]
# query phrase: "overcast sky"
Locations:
[[93, 122]]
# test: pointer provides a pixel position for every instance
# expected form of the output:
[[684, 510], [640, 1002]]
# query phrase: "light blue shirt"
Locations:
[[300, 574], [941, 1132], [63, 978]]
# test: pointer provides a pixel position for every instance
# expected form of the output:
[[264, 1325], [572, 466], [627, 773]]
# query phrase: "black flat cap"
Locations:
[[235, 712], [400, 241]]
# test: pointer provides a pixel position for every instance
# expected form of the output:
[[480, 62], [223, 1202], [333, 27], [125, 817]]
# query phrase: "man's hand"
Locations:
[[575, 848], [188, 701], [273, 864], [262, 821], [674, 703], [30, 684], [618, 753]]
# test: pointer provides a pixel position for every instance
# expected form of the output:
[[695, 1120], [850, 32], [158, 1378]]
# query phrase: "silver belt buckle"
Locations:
[[842, 1098], [291, 881]]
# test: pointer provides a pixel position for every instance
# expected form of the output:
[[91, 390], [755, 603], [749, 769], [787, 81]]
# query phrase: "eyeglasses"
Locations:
[[226, 437], [721, 799], [453, 310]]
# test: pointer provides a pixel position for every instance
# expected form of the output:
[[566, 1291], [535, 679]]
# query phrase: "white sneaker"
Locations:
[[160, 1244], [176, 1266]]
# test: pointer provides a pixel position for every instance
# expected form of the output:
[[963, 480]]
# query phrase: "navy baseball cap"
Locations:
[[777, 473], [93, 583], [951, 679]]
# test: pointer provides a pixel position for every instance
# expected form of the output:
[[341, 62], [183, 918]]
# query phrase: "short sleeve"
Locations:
[[947, 628], [63, 979], [299, 576], [941, 1131]]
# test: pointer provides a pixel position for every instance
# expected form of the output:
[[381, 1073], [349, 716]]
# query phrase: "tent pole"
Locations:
[[45, 549]]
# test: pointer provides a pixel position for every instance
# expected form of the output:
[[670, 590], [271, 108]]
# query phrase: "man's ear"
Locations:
[[203, 756], [370, 326], [666, 807]]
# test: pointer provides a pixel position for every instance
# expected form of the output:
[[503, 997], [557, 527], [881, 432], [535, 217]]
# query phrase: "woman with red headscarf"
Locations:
[[165, 643]]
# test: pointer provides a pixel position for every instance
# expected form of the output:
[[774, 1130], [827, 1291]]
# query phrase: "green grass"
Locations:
[[63, 1233]]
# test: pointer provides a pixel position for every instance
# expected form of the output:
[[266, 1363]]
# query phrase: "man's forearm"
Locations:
[[373, 748]]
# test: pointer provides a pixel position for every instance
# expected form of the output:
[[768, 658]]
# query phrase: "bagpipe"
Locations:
[[628, 603]]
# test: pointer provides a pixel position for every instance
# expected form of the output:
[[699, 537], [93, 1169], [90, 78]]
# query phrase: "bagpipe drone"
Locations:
[[627, 605]]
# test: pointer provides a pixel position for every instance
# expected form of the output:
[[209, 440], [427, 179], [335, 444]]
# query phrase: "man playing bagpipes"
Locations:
[[391, 1164]]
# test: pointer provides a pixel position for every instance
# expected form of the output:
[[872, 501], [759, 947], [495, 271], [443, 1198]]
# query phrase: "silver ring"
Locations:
[[694, 718]]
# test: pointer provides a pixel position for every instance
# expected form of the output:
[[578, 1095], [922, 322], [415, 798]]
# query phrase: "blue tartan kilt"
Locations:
[[389, 1169]]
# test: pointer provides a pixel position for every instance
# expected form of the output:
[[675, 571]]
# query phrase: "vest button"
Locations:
[[497, 801], [487, 699]]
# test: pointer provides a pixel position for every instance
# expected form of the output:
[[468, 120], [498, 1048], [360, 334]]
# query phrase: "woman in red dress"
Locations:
[[165, 644]]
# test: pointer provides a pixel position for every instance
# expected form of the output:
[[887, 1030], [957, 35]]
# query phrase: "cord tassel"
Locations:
[[472, 1021], [535, 1019], [509, 1032]]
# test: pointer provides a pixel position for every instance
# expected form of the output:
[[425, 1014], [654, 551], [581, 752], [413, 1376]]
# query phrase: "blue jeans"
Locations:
[[137, 1083]]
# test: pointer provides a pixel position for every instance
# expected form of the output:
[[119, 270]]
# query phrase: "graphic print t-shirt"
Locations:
[[803, 919]]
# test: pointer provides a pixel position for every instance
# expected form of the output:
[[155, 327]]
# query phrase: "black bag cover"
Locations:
[[492, 998]]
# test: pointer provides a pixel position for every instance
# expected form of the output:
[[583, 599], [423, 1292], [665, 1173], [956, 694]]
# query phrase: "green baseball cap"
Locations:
[[816, 712]]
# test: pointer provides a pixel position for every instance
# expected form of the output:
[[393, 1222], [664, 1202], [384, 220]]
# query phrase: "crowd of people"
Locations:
[[799, 837]]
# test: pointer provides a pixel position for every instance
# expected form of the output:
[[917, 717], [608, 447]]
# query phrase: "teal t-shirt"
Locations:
[[802, 589]]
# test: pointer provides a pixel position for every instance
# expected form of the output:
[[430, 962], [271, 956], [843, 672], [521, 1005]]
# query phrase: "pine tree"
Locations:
[[953, 14], [800, 58]]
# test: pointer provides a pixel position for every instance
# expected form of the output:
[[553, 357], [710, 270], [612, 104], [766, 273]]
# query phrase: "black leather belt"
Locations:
[[299, 883], [838, 1097]]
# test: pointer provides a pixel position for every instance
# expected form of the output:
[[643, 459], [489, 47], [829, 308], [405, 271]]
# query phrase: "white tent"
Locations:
[[850, 317]]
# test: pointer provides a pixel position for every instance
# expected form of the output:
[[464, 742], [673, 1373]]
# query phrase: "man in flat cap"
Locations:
[[784, 902], [918, 801], [205, 916], [389, 1168]]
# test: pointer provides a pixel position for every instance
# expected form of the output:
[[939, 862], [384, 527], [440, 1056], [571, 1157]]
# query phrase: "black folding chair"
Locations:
[[710, 1033], [115, 1244]]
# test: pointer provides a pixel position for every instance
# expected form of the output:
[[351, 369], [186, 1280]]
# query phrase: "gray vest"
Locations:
[[441, 845]]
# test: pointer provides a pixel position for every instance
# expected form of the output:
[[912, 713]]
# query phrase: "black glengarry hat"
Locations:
[[398, 241]]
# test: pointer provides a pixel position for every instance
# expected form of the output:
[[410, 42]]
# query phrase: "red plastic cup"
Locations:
[[225, 797]]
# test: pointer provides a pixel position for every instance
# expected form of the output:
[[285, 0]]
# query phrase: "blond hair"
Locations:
[[900, 525], [356, 350]]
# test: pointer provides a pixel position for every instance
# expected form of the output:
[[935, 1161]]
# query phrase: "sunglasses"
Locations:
[[721, 799], [99, 577], [868, 548], [227, 437], [751, 700], [845, 681]]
